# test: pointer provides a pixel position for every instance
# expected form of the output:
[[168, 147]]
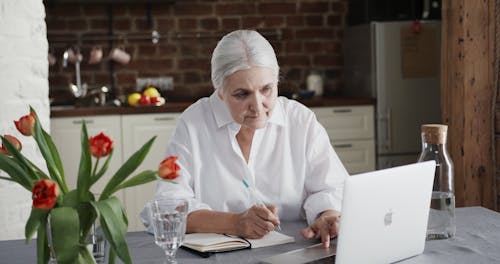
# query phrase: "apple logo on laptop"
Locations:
[[388, 218]]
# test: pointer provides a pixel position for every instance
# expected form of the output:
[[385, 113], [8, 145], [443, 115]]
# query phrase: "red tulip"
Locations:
[[14, 141], [100, 145], [168, 168], [45, 193], [26, 124]]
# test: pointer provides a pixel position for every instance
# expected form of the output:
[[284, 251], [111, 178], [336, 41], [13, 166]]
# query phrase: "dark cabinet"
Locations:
[[364, 11]]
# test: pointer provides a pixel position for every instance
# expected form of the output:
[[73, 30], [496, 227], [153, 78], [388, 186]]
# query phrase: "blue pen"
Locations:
[[256, 199]]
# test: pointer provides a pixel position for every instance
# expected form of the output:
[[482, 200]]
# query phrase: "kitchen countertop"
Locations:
[[171, 107]]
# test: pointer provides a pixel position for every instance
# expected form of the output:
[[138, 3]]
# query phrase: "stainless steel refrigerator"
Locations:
[[385, 61]]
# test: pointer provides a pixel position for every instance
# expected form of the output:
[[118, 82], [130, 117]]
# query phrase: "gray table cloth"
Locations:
[[477, 241]]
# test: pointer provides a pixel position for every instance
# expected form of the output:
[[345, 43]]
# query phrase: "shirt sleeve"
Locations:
[[325, 173], [186, 183]]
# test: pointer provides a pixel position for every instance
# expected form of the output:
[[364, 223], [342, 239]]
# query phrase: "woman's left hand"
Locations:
[[326, 226]]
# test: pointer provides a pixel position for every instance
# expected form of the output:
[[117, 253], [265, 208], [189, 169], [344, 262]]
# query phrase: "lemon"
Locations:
[[133, 99], [151, 92]]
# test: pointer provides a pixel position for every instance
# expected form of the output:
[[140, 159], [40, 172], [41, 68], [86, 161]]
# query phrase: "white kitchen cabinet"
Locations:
[[66, 132], [137, 129], [352, 134]]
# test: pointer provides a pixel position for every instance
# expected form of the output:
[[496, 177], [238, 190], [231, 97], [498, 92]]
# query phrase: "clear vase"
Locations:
[[52, 253], [96, 242]]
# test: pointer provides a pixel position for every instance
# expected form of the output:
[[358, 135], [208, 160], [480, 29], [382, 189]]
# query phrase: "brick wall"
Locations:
[[23, 81], [311, 39]]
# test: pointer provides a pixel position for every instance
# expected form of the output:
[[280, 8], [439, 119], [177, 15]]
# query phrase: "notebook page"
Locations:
[[271, 239]]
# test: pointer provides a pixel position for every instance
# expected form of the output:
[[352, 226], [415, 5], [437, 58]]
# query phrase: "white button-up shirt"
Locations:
[[291, 163]]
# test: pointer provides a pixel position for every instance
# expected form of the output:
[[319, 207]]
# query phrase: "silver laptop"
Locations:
[[384, 218]]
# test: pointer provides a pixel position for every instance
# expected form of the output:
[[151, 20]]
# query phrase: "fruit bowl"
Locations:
[[149, 97]]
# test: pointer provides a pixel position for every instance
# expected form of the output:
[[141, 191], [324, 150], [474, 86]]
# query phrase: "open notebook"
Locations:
[[212, 243]]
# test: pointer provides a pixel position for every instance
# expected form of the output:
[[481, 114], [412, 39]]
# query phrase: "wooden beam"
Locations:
[[467, 97]]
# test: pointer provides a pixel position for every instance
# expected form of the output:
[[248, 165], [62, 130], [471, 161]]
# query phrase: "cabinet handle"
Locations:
[[164, 118], [342, 110], [78, 122], [342, 146]]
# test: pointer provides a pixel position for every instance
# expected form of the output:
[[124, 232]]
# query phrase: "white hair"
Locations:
[[239, 50]]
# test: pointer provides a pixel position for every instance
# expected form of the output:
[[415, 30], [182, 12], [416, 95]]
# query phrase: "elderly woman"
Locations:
[[244, 134]]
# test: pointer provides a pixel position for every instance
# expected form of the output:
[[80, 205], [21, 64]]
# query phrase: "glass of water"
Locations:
[[169, 224]]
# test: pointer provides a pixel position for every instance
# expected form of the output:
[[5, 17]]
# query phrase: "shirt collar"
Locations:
[[223, 116], [278, 114], [221, 113]]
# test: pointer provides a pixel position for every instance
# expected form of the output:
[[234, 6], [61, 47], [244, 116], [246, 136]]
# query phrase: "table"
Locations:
[[477, 241]]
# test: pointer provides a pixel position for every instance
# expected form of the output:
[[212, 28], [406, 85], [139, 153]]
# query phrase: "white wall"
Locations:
[[23, 82]]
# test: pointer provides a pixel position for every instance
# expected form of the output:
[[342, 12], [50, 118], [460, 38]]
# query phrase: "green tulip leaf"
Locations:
[[128, 167], [7, 179], [15, 171], [113, 226], [87, 215], [84, 170], [37, 217], [42, 245], [112, 256], [84, 256], [41, 174], [71, 199], [20, 159], [55, 174], [86, 211], [141, 178], [65, 228], [55, 155]]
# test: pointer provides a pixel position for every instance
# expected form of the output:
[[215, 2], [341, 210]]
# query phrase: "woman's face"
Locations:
[[251, 95]]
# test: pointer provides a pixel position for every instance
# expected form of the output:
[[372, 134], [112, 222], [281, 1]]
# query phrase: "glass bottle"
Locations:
[[441, 223]]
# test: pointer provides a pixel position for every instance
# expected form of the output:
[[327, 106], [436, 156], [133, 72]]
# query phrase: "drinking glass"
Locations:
[[169, 225]]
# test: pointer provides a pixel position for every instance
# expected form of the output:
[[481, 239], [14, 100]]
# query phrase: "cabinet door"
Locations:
[[352, 134], [137, 129], [66, 133], [356, 155], [347, 122]]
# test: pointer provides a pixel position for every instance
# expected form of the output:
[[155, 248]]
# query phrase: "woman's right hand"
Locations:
[[257, 221]]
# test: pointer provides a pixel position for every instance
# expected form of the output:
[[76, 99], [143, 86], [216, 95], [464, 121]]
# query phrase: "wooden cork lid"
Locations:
[[434, 133]]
